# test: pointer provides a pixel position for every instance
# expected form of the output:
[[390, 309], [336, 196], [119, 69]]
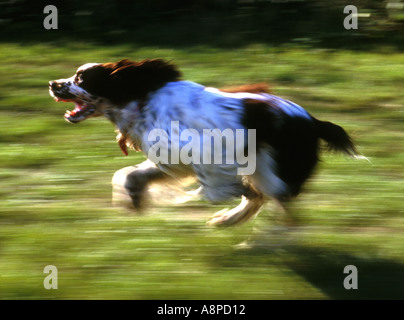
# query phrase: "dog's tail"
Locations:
[[336, 137]]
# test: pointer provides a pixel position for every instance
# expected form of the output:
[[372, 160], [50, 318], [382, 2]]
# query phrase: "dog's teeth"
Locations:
[[68, 112]]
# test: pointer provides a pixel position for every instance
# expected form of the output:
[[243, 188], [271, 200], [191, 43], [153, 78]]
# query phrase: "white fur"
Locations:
[[197, 107]]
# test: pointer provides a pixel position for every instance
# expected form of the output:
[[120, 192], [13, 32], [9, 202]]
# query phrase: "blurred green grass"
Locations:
[[55, 186]]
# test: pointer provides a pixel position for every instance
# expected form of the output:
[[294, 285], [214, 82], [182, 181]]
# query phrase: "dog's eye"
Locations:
[[78, 79]]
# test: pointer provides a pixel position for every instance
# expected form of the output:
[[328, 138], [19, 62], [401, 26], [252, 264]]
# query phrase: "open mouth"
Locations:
[[81, 111]]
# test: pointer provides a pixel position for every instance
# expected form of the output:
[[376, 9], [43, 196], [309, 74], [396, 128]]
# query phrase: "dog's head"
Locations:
[[98, 86]]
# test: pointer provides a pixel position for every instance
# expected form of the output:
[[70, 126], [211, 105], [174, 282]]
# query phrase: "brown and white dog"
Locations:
[[167, 118]]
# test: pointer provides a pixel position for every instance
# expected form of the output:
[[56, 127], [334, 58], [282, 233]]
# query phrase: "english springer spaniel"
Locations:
[[174, 123]]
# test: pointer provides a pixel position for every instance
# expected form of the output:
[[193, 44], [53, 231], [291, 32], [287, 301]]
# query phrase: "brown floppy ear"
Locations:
[[135, 80], [121, 65]]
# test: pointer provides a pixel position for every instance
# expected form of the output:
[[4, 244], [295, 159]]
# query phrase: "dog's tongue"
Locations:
[[73, 112]]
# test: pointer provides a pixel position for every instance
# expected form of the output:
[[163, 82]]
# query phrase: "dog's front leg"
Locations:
[[251, 203], [133, 182]]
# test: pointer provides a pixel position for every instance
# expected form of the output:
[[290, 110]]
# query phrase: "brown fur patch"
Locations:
[[251, 88], [125, 80]]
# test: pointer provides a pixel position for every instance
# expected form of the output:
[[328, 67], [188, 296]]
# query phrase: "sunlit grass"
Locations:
[[55, 186]]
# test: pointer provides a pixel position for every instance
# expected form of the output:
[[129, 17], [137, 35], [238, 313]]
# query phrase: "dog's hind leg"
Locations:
[[251, 203], [130, 184]]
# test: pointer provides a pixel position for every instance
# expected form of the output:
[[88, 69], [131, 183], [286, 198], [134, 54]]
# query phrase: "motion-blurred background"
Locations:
[[55, 190]]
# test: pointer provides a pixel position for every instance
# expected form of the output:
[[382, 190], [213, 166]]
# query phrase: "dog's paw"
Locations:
[[227, 218]]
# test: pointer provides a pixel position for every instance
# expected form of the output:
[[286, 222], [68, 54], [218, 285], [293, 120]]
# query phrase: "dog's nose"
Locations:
[[54, 85]]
